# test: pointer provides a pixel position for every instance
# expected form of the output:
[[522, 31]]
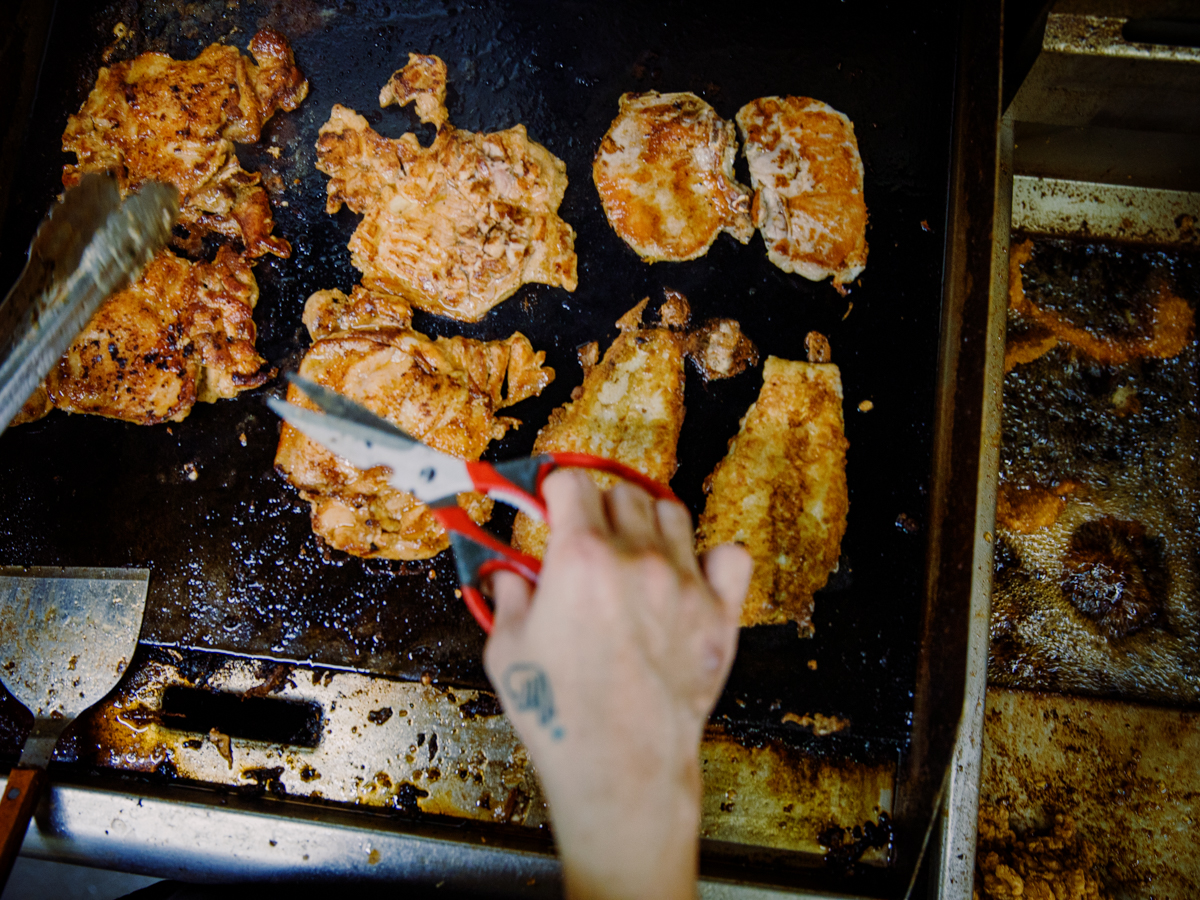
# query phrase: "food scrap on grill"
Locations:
[[1154, 322], [781, 491], [630, 405], [154, 118], [444, 391], [456, 227], [1057, 866], [664, 172], [1026, 508], [808, 187], [181, 333]]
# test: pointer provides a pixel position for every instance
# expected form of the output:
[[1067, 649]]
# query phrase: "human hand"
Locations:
[[608, 671]]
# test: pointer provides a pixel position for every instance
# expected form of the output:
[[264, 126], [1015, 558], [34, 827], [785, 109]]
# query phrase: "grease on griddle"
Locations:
[[1112, 305], [264, 780], [1113, 573], [844, 847], [1096, 436], [482, 704]]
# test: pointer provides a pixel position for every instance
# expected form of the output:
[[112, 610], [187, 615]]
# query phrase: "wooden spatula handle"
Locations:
[[16, 809]]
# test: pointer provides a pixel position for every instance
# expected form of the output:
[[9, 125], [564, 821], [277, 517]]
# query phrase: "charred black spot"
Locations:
[[263, 780], [1114, 574], [842, 854], [406, 796], [379, 716], [481, 705]]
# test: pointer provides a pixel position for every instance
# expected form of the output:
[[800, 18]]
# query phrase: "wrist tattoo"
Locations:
[[528, 687]]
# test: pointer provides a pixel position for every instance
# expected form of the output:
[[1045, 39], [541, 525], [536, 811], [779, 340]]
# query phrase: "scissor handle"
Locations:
[[518, 482], [478, 554], [564, 460]]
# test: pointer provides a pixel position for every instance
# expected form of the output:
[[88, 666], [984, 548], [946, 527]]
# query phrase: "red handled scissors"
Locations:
[[364, 439]]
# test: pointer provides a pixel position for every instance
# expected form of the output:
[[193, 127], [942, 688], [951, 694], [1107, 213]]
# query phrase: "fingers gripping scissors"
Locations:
[[366, 440]]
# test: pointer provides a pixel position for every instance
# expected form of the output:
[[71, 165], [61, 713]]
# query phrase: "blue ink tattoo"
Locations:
[[529, 689]]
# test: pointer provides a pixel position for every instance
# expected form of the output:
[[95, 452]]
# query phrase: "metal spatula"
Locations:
[[66, 638], [92, 244]]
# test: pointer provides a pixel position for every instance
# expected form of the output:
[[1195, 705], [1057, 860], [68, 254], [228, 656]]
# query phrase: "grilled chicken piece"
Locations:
[[444, 391], [423, 80], [781, 491], [808, 187], [154, 118], [630, 405], [181, 333], [456, 227], [665, 175]]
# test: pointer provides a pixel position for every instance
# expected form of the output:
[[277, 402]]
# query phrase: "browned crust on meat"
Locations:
[[445, 391], [808, 186], [423, 80], [664, 172], [183, 332], [454, 228], [781, 491], [154, 118], [628, 408]]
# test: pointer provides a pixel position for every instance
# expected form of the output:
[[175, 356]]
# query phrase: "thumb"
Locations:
[[727, 569]]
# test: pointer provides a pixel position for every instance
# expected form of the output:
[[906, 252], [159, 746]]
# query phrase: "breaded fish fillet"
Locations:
[[630, 405], [781, 491], [444, 391], [665, 175], [182, 333], [154, 118], [808, 187], [456, 227]]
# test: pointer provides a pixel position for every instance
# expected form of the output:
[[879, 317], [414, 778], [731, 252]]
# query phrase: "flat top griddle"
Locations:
[[235, 566]]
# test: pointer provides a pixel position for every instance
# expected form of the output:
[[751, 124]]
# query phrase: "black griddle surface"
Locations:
[[235, 565]]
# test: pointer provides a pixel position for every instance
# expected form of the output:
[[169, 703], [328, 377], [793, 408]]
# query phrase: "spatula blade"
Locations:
[[66, 638]]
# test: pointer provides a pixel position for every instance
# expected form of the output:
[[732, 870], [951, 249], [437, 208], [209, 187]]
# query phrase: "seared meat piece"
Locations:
[[808, 187], [781, 491], [665, 175], [182, 333], [423, 80], [456, 227], [444, 391], [330, 311], [154, 118], [630, 405]]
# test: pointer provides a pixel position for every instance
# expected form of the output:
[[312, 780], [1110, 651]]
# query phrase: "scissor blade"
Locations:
[[428, 474], [91, 245]]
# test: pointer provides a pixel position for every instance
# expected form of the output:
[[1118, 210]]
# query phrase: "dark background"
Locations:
[[235, 566]]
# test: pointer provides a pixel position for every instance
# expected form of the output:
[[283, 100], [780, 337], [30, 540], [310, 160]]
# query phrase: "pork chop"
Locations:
[[664, 172], [808, 187]]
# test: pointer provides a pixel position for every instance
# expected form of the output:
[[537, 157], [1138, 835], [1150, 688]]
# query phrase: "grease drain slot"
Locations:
[[266, 719]]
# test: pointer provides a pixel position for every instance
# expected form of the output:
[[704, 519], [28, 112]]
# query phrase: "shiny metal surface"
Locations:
[[91, 245], [66, 638], [212, 838], [954, 875], [1146, 215], [419, 749]]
